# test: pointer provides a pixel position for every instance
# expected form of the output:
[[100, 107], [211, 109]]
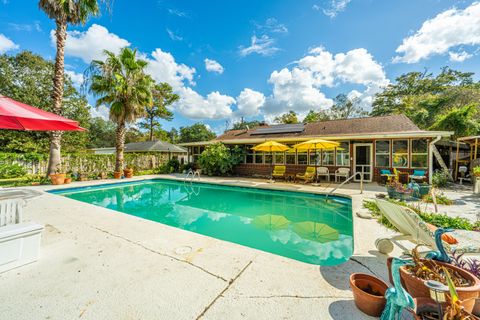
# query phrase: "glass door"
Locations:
[[363, 156]]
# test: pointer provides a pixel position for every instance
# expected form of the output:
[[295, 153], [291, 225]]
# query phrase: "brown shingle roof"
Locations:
[[371, 125]]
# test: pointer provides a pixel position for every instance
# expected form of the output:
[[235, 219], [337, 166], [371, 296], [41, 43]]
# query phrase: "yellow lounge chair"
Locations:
[[279, 172], [308, 176]]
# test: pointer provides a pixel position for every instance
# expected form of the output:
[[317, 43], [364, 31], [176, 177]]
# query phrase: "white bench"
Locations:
[[19, 241]]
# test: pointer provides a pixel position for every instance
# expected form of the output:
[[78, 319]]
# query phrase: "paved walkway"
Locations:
[[101, 264]]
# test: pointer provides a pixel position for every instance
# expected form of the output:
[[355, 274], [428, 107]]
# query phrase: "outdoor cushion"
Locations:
[[419, 173], [385, 171], [448, 238]]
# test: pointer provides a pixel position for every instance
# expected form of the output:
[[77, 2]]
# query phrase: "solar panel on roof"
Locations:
[[281, 128]]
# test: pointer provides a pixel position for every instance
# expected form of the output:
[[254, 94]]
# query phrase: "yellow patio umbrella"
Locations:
[[315, 231], [271, 146], [271, 222], [316, 144]]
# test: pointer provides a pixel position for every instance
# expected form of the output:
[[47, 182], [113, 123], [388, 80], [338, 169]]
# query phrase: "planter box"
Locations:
[[19, 244]]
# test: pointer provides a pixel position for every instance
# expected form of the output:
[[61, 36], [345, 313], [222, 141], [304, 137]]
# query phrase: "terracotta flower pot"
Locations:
[[368, 302], [57, 178], [67, 180], [117, 174], [128, 173], [416, 286]]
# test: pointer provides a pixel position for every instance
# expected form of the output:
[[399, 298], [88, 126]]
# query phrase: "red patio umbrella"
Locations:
[[15, 115]]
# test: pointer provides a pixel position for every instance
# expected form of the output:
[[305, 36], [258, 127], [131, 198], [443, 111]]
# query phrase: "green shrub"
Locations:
[[440, 198], [440, 179], [173, 165], [8, 171], [187, 166], [438, 220], [218, 160]]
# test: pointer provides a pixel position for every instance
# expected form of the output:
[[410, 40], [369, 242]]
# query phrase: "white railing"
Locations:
[[192, 174], [347, 180]]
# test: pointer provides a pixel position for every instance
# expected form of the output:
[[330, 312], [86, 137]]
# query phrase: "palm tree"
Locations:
[[120, 82], [64, 12]]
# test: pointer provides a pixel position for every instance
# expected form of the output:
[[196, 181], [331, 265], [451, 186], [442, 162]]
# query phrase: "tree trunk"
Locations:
[[54, 159], [119, 146], [151, 129]]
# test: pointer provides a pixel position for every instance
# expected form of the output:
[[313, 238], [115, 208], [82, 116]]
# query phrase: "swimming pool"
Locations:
[[296, 225]]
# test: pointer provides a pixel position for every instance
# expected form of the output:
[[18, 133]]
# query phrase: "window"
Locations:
[[419, 153], [343, 154], [259, 157], [382, 153], [279, 158], [314, 158], [248, 153], [400, 153], [328, 157], [268, 158], [290, 157], [302, 158]]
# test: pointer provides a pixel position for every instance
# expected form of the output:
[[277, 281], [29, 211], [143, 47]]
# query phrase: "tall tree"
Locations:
[[163, 96], [174, 135], [287, 118], [196, 132], [345, 108], [64, 12], [426, 98], [101, 133], [120, 82], [27, 77], [315, 116]]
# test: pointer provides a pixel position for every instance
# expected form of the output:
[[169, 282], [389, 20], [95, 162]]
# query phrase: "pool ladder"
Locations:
[[192, 174], [347, 180]]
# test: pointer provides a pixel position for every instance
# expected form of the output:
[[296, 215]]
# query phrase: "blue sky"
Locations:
[[258, 59]]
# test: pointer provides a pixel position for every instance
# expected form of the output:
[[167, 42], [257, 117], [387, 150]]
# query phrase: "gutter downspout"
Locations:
[[430, 158]]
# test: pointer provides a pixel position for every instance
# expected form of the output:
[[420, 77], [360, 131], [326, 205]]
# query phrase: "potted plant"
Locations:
[[476, 179], [413, 279], [128, 172], [68, 178], [391, 189], [117, 174], [368, 293], [102, 175], [58, 177]]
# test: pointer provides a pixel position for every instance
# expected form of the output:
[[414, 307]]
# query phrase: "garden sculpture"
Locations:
[[440, 255], [397, 297]]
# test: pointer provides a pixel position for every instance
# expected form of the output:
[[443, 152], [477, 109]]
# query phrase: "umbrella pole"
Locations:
[[316, 184], [271, 166]]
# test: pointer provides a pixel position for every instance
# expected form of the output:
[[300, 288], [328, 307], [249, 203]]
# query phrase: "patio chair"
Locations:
[[418, 175], [279, 172], [323, 172], [387, 175], [342, 172], [19, 241], [413, 228], [308, 176]]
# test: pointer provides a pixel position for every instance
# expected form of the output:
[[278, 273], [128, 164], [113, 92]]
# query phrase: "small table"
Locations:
[[290, 177]]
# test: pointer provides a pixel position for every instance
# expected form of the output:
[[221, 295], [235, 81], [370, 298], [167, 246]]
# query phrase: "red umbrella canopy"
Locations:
[[15, 115]]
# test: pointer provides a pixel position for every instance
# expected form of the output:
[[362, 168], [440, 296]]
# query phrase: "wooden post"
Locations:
[[476, 144], [456, 160]]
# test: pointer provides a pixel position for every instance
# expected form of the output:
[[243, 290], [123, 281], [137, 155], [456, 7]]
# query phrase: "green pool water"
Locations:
[[296, 225]]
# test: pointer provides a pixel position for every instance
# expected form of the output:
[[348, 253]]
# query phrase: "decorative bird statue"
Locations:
[[440, 255], [397, 297]]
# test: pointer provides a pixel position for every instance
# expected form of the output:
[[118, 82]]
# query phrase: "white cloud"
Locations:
[[89, 45], [178, 13], [77, 78], [299, 88], [249, 103], [6, 44], [100, 112], [451, 28], [459, 56], [35, 26], [173, 36], [264, 46], [271, 25], [334, 7], [215, 106], [163, 68], [213, 66]]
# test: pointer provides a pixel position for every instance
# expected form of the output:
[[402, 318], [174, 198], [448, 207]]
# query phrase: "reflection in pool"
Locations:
[[297, 225]]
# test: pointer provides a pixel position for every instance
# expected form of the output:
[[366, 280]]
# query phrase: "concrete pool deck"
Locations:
[[97, 263]]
